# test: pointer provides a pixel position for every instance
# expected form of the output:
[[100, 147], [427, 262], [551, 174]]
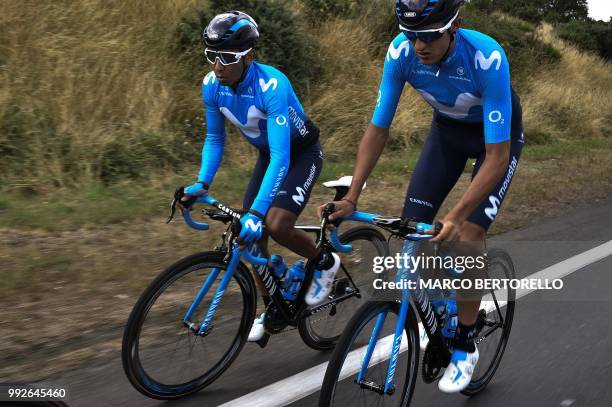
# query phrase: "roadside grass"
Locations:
[[96, 205]]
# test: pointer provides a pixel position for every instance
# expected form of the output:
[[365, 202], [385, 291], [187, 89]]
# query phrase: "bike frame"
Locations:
[[423, 308], [252, 255]]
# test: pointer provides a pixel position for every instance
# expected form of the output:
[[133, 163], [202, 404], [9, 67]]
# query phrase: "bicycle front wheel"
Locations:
[[321, 331], [163, 358], [340, 387]]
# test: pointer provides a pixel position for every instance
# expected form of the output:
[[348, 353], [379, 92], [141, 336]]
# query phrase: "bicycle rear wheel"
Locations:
[[494, 322], [321, 331], [162, 358], [339, 384]]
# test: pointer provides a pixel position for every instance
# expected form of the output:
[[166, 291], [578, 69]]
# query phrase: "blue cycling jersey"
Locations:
[[267, 112], [471, 85]]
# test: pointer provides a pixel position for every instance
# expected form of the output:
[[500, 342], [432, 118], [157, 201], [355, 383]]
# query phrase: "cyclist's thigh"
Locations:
[[439, 167], [255, 183], [304, 169], [486, 212]]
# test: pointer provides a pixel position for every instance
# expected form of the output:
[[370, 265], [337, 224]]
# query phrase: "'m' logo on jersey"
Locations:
[[266, 85], [251, 127], [485, 63], [460, 109], [396, 52]]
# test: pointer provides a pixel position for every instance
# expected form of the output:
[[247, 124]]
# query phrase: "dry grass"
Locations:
[[344, 104], [97, 69], [572, 99]]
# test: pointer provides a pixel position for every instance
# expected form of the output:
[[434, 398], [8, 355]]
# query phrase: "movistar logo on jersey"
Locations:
[[485, 63], [396, 52], [251, 127], [459, 110], [271, 83], [297, 121]]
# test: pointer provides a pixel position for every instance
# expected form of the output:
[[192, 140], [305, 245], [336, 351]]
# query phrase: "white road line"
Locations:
[[305, 383]]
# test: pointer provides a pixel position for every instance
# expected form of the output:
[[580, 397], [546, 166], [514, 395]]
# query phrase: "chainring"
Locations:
[[432, 364], [274, 321]]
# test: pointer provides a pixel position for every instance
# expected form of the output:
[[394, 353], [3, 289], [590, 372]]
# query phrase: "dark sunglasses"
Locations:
[[426, 37], [225, 57]]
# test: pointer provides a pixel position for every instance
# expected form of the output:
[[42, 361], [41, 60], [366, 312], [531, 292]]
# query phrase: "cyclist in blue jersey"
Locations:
[[464, 75], [259, 100]]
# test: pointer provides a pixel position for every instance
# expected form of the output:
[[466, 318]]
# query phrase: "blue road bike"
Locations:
[[193, 320], [375, 362]]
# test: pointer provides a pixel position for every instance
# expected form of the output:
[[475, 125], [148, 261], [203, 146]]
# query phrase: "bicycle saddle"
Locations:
[[341, 185]]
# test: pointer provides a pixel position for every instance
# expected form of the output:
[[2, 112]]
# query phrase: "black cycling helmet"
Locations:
[[231, 30], [414, 15]]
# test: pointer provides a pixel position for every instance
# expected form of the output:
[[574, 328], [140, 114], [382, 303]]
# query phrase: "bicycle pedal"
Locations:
[[264, 340]]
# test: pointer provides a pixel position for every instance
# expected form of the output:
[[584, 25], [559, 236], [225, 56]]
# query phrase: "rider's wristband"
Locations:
[[348, 200]]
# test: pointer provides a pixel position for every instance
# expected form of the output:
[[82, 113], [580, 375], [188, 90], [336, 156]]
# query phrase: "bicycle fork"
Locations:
[[204, 328], [428, 318]]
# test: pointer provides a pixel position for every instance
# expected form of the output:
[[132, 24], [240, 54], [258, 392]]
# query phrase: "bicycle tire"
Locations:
[[478, 384], [366, 314], [132, 364], [324, 341]]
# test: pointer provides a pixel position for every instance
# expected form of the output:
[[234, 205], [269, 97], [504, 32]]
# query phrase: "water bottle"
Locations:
[[278, 266], [450, 319], [293, 280]]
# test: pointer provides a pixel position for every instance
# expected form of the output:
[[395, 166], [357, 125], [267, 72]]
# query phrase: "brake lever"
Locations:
[[172, 210], [178, 195]]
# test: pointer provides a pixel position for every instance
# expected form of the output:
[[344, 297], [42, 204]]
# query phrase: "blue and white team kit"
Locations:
[[469, 91], [473, 105], [265, 109]]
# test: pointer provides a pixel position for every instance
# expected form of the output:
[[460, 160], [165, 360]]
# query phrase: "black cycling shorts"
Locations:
[[305, 165], [446, 150]]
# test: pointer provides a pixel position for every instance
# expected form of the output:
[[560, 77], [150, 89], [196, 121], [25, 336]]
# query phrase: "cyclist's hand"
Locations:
[[198, 189], [341, 209], [252, 229], [449, 233]]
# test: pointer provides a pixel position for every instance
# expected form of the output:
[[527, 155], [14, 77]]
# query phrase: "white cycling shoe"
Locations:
[[322, 283], [257, 330], [458, 374]]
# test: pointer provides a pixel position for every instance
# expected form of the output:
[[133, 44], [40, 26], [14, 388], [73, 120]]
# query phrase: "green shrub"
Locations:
[[594, 36], [283, 42]]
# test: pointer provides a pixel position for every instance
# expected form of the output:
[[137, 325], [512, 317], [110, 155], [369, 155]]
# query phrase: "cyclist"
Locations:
[[259, 100], [464, 75]]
